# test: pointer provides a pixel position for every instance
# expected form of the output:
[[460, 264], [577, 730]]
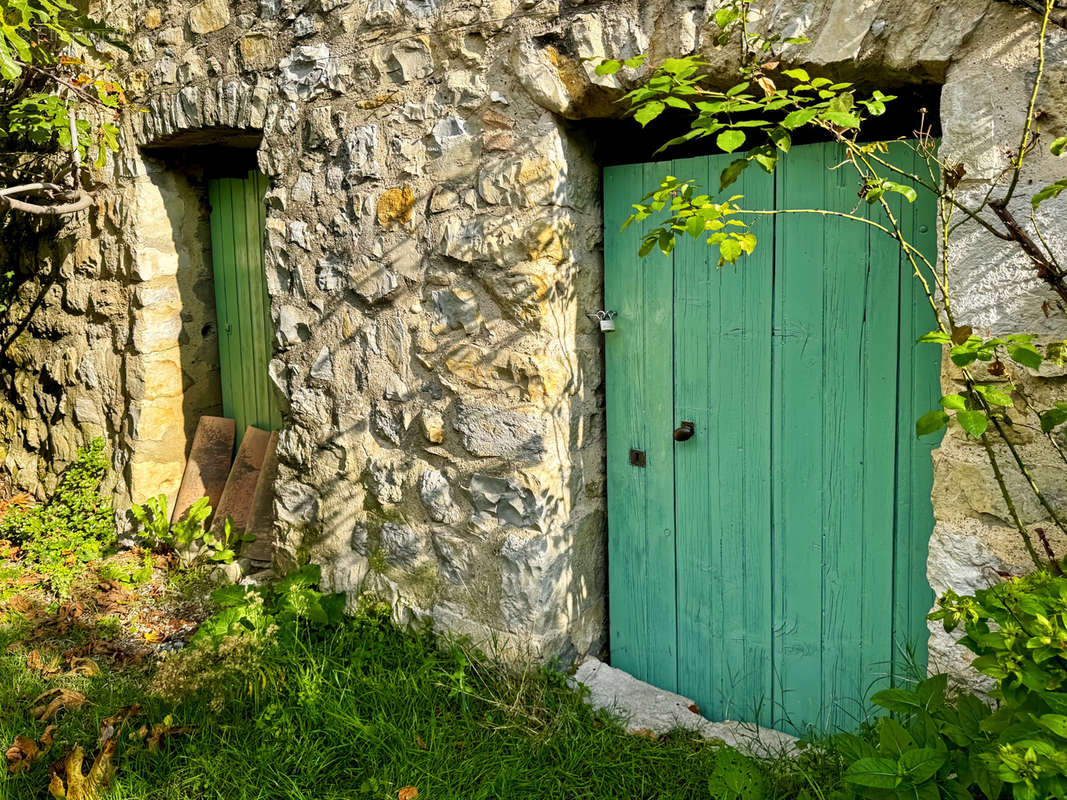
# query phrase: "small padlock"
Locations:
[[607, 323]]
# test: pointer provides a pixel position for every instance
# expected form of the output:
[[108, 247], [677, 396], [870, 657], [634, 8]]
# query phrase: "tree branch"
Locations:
[[1057, 17]]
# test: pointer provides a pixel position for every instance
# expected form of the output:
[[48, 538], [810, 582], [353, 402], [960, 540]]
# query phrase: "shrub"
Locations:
[[188, 536], [73, 527], [942, 747]]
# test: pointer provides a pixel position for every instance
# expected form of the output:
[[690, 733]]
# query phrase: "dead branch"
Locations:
[[63, 201], [1045, 267]]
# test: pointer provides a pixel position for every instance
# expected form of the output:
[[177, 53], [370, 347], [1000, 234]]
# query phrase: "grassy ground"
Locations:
[[356, 710]]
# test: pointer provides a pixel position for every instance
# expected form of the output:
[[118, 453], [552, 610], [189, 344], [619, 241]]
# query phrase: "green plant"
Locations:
[[189, 536], [75, 526], [279, 608]]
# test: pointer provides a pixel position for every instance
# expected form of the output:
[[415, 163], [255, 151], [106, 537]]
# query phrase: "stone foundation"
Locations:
[[433, 244]]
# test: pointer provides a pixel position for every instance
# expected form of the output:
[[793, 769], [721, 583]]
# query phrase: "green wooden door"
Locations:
[[241, 301], [772, 567]]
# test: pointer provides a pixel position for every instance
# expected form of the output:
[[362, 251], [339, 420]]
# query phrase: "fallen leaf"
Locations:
[[110, 726], [767, 85], [164, 730], [84, 666], [420, 743], [58, 699], [407, 793], [69, 782], [25, 751]]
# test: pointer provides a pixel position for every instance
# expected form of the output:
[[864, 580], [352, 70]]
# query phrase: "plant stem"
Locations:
[[1010, 503], [1024, 143]]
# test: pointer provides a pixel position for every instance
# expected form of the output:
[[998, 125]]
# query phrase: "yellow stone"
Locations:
[[396, 205], [257, 52], [153, 18]]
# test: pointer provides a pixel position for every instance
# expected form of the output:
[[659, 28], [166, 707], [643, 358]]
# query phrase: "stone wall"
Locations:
[[433, 244]]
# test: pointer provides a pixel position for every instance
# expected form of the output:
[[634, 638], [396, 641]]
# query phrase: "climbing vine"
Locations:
[[759, 117]]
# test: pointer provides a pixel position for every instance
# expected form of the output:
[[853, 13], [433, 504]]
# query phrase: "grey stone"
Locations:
[[292, 326], [322, 366], [362, 147], [456, 308], [386, 422], [454, 556], [491, 431], [400, 544], [296, 503], [642, 707], [410, 60], [505, 501], [307, 72], [436, 495], [387, 483], [449, 132]]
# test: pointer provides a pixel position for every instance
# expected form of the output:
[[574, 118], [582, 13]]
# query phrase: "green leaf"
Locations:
[[842, 119], [974, 422], [1057, 723], [995, 396], [1058, 146], [1054, 417], [802, 116], [876, 773], [938, 337], [730, 250], [1048, 193], [726, 16], [921, 764], [797, 75], [636, 61], [608, 66], [930, 422], [648, 112], [694, 226], [910, 194], [1027, 355], [730, 140], [954, 402], [732, 172]]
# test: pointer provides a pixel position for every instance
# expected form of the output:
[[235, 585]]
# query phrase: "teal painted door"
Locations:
[[241, 301], [772, 567]]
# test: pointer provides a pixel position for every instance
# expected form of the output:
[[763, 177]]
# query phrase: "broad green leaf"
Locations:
[[1027, 355], [902, 701], [842, 119], [1054, 417], [648, 112], [954, 402], [974, 422], [876, 773], [1048, 193], [921, 764], [802, 116], [732, 172], [995, 396], [1058, 146], [608, 66], [1057, 723], [909, 193], [938, 337], [730, 140], [636, 61], [694, 226], [929, 423], [797, 75], [730, 250]]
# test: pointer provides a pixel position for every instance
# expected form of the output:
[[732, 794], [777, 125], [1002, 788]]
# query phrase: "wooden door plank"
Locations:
[[798, 457], [918, 392], [221, 257], [722, 475], [639, 401]]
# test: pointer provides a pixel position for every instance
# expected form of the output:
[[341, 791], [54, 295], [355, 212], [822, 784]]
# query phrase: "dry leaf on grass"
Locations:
[[68, 780], [407, 793], [25, 752], [109, 727], [48, 666], [58, 699], [80, 665], [160, 732]]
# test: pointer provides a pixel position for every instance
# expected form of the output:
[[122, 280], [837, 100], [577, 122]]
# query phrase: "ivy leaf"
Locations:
[[974, 422], [931, 422], [730, 140]]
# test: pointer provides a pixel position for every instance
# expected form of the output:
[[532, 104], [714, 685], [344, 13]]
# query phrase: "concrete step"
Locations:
[[208, 466], [261, 519], [236, 500]]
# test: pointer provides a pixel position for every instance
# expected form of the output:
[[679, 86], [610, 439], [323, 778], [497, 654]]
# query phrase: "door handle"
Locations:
[[684, 432]]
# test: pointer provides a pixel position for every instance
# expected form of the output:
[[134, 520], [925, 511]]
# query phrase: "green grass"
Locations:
[[362, 711]]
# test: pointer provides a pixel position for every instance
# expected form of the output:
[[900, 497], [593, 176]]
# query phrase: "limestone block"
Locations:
[[156, 329], [436, 495], [209, 16], [505, 501], [489, 431], [151, 263], [400, 544], [257, 52], [456, 308], [308, 71]]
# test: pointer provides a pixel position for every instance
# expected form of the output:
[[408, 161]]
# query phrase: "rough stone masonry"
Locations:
[[433, 244]]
